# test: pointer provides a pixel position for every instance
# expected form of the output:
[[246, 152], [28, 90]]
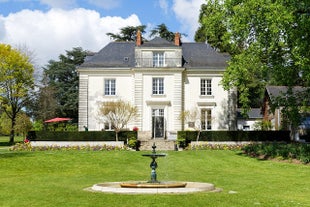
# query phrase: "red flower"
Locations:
[[135, 129], [26, 140]]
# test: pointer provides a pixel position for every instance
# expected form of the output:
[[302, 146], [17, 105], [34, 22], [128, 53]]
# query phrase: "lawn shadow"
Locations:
[[11, 154], [259, 158]]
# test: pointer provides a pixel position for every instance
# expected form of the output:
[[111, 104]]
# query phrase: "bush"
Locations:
[[284, 151], [79, 135], [185, 137]]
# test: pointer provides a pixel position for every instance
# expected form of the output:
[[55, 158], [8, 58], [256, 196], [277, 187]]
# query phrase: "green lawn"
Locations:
[[57, 178], [4, 140]]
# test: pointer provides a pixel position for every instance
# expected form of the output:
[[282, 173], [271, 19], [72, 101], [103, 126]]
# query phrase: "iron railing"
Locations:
[[150, 62]]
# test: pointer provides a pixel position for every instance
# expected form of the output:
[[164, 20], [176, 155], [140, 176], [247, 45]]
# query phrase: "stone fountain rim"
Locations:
[[191, 187]]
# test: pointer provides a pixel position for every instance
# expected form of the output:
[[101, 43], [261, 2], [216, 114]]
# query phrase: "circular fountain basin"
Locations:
[[190, 187]]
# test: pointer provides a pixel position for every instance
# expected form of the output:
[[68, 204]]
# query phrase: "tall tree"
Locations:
[[212, 26], [44, 104], [162, 31], [127, 33], [16, 80], [63, 81], [118, 113], [268, 41]]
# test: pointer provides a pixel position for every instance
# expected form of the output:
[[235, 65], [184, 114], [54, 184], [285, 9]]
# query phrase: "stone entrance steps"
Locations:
[[161, 144]]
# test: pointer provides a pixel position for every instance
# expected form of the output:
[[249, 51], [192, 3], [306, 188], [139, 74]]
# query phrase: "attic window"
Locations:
[[126, 59], [158, 59]]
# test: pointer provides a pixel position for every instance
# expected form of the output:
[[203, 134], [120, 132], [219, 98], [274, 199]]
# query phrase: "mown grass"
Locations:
[[4, 140], [58, 178]]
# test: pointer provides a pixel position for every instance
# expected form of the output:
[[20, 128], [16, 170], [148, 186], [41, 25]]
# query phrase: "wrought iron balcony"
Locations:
[[151, 63]]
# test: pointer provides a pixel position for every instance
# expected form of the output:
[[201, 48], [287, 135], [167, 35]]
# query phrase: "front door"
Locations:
[[158, 124]]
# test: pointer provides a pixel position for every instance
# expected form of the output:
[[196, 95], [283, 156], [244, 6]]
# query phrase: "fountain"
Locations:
[[153, 185]]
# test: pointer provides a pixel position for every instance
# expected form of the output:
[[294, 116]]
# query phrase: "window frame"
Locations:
[[206, 119], [158, 59], [158, 86], [206, 87], [109, 87]]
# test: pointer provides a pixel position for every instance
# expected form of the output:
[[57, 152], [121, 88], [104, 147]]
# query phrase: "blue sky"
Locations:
[[49, 27]]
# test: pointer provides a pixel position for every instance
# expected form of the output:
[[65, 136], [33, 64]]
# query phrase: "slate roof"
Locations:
[[203, 55], [115, 54], [158, 42], [121, 54], [254, 113], [278, 91]]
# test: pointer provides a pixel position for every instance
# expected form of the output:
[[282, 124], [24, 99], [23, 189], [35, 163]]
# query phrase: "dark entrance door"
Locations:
[[158, 126]]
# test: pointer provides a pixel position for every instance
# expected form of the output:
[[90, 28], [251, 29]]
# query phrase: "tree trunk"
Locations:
[[116, 135], [198, 135], [12, 133]]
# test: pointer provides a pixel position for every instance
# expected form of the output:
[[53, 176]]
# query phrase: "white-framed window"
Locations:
[[206, 119], [109, 87], [205, 87], [158, 59], [158, 86]]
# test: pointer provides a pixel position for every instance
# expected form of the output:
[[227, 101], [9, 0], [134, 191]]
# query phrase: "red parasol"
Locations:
[[57, 119]]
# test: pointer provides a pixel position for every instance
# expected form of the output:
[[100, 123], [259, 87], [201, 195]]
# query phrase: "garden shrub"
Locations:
[[79, 135], [299, 151], [185, 137]]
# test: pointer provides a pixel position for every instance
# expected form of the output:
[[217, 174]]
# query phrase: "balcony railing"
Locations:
[[167, 62]]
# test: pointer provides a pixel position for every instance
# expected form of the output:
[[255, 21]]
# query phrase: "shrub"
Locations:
[[284, 151], [79, 135], [185, 137]]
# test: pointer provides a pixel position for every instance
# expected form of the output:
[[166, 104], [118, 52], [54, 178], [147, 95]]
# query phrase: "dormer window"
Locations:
[[158, 59]]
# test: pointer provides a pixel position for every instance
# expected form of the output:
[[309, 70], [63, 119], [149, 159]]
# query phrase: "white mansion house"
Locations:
[[163, 80]]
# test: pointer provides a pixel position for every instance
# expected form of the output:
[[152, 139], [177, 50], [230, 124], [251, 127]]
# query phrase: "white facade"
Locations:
[[161, 87]]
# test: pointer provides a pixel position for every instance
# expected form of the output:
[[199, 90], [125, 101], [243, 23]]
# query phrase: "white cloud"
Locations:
[[187, 13], [49, 34], [163, 4]]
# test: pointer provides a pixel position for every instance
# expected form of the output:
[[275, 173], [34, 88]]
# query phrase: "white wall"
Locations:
[[124, 91], [217, 102]]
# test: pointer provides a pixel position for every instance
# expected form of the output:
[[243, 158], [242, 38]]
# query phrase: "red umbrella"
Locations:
[[57, 119]]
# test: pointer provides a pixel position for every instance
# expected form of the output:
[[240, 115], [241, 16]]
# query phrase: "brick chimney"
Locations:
[[177, 39], [138, 38]]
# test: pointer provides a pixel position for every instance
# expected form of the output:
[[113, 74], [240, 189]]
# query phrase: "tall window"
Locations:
[[205, 87], [206, 119], [158, 86], [109, 87], [158, 59]]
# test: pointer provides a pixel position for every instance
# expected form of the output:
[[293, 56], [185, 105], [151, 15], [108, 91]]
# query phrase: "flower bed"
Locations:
[[28, 146]]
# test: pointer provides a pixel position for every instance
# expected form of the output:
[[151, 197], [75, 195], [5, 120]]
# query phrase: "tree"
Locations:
[[23, 124], [127, 33], [163, 32], [16, 80], [268, 41], [212, 26], [44, 104], [62, 81], [118, 113]]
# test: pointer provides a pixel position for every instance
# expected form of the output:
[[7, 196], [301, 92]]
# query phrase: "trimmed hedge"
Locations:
[[185, 137], [80, 135]]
